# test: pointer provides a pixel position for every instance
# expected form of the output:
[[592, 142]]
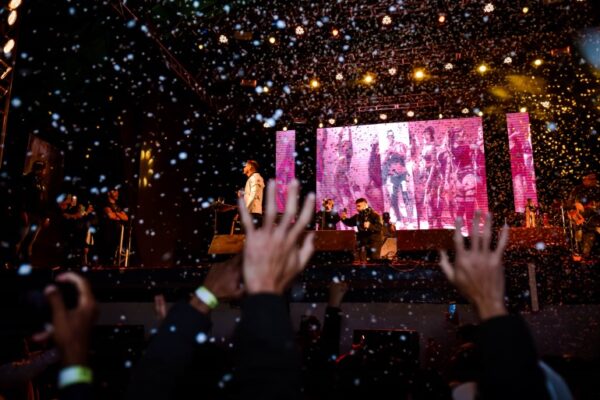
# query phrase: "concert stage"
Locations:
[[412, 278]]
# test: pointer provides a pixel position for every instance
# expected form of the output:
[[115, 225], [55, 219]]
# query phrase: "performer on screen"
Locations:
[[369, 229], [395, 174], [342, 169], [431, 179], [463, 174], [327, 218]]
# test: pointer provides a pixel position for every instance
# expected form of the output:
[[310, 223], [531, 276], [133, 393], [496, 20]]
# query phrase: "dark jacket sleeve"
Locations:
[[330, 334], [170, 354], [350, 221], [509, 361], [375, 223], [268, 364]]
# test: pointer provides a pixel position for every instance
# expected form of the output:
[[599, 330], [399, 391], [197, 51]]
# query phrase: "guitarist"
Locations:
[[584, 199]]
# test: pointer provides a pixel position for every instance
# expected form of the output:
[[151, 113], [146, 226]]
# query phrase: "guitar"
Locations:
[[575, 214]]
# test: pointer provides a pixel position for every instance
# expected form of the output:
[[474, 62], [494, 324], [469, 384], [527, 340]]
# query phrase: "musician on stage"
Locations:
[[111, 220], [370, 228], [530, 213], [583, 211], [253, 191], [327, 218]]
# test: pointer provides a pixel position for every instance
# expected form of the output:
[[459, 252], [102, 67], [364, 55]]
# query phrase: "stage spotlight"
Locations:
[[419, 74], [383, 117], [10, 44], [284, 128], [13, 4], [314, 83], [482, 69], [320, 124], [488, 8], [392, 71], [440, 116], [523, 109], [223, 39], [272, 40], [265, 89], [508, 60], [356, 120], [410, 113], [480, 113], [368, 79], [442, 18], [465, 110], [545, 104], [201, 46], [386, 20], [538, 62], [339, 76], [331, 121], [448, 66], [335, 32], [525, 10], [299, 31], [12, 17]]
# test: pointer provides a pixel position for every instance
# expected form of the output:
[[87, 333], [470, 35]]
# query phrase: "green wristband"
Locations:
[[73, 375], [207, 297]]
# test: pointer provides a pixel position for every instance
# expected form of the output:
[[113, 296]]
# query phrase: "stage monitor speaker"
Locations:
[[425, 240], [226, 244], [528, 238], [334, 241], [334, 247]]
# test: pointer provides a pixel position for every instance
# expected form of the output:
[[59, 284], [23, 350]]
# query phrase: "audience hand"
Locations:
[[478, 272], [72, 328], [337, 291], [271, 256], [224, 281]]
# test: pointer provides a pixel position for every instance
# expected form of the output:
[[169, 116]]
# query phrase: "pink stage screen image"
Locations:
[[285, 163], [521, 160], [425, 173]]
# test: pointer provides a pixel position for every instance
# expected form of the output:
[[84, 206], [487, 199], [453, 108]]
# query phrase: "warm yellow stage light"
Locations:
[[272, 40], [538, 62], [12, 17], [368, 79], [9, 46], [419, 74], [523, 109], [482, 68], [335, 32], [314, 83], [13, 4]]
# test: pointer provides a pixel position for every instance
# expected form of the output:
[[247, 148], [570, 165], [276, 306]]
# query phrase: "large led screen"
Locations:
[[285, 149], [521, 160], [425, 173]]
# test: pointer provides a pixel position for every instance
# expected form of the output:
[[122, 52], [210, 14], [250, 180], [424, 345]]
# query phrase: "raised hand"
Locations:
[[72, 328], [272, 257], [478, 272]]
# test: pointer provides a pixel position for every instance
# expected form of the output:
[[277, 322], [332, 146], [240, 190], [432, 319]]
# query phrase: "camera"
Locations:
[[24, 306]]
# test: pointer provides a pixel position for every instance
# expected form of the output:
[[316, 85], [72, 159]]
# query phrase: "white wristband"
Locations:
[[207, 297]]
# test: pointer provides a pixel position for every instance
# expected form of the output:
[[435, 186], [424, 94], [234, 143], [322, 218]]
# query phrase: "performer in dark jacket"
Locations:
[[327, 218], [370, 228]]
